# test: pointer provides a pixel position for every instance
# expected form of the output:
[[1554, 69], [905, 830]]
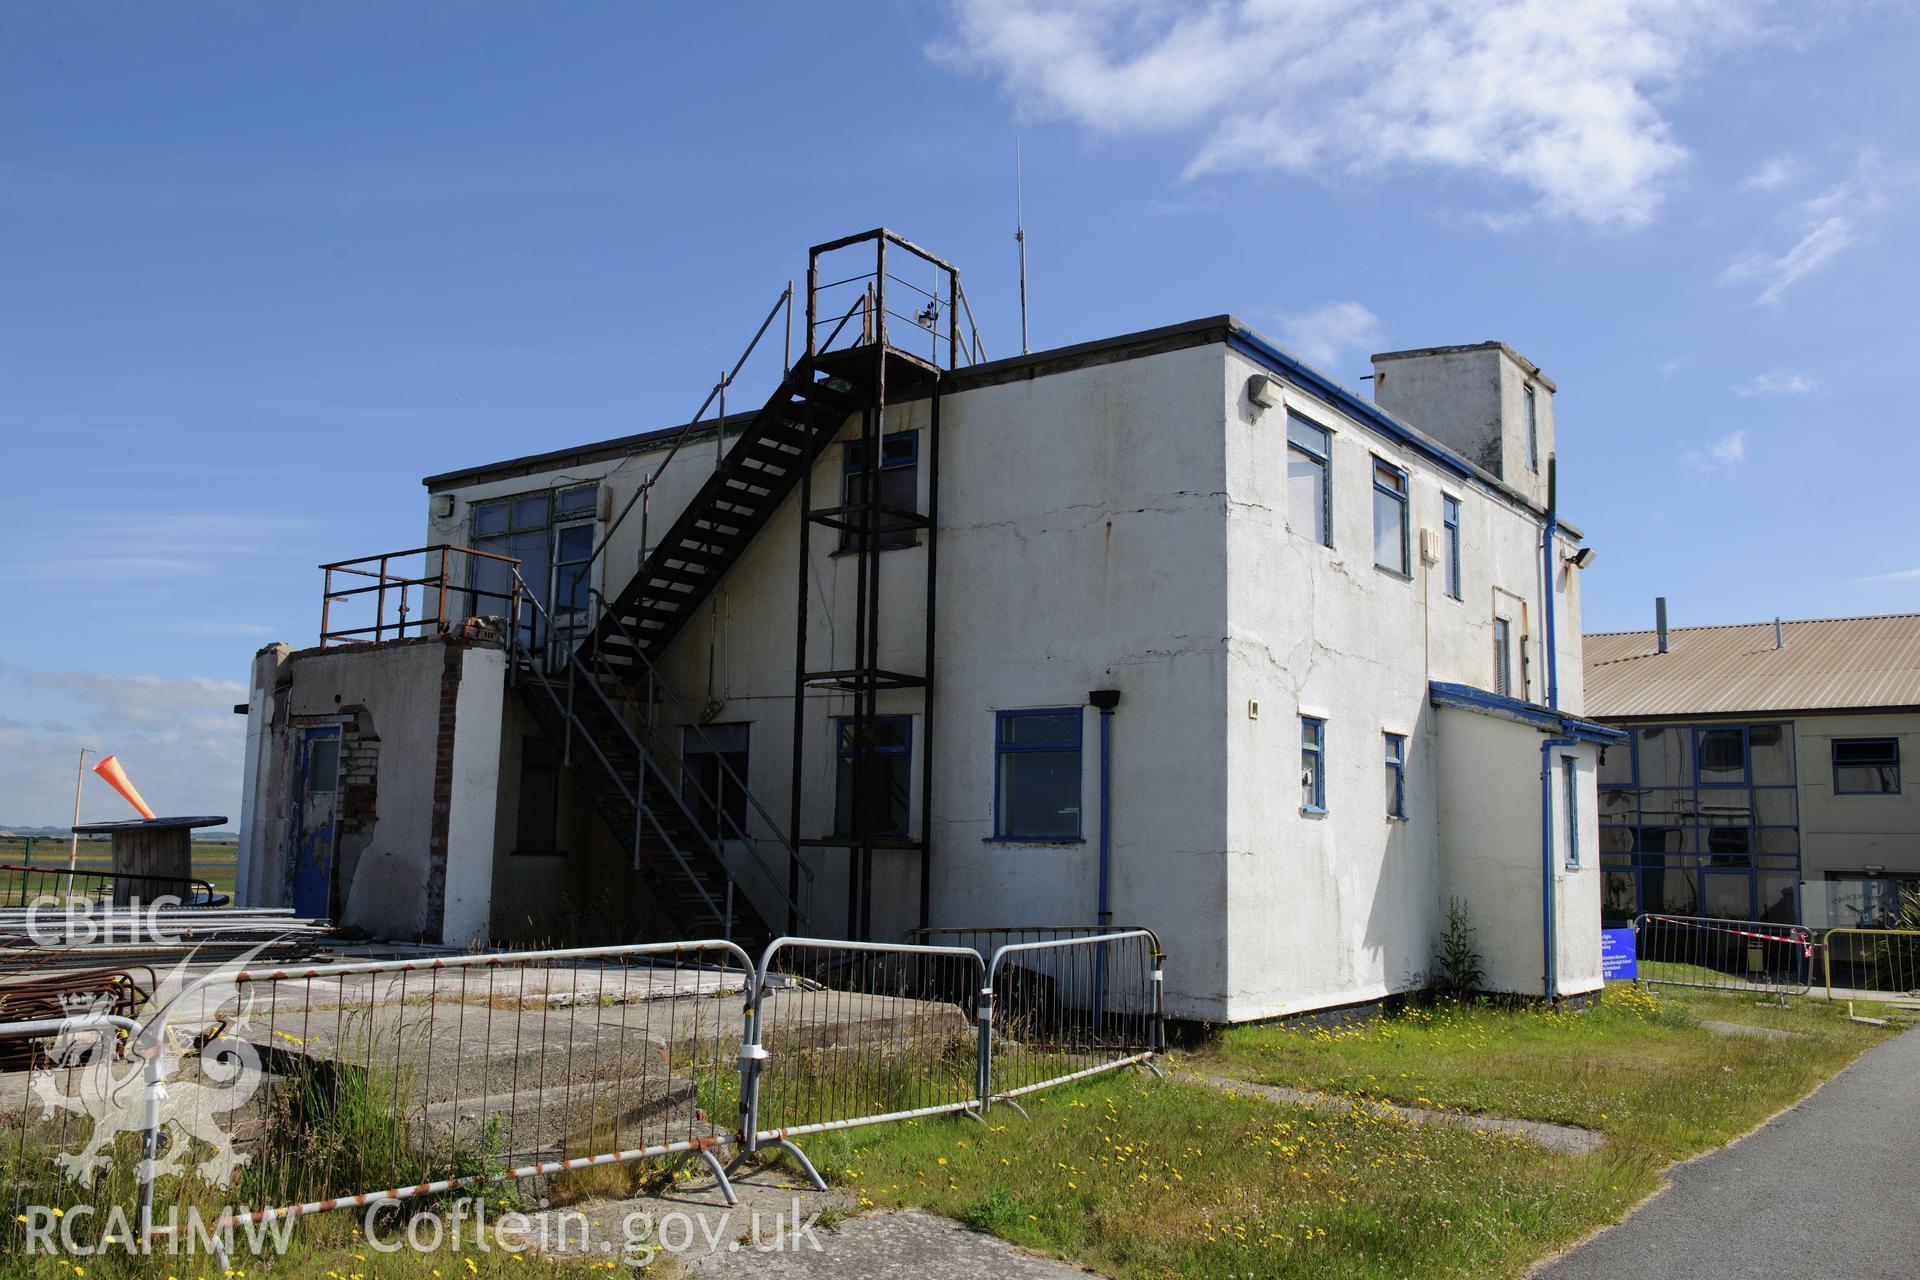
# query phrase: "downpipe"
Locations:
[[1549, 950]]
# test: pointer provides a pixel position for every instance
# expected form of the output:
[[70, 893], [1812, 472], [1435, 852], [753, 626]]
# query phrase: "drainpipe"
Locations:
[[1106, 700], [1549, 951], [1549, 557]]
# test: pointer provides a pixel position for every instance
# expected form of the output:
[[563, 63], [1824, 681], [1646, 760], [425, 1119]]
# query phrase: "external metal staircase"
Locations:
[[591, 680]]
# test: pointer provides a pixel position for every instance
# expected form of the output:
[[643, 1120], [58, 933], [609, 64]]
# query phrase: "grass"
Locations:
[[215, 861], [1140, 1178]]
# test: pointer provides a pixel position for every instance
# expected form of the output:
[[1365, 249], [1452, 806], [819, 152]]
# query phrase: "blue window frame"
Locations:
[[1391, 539], [1866, 766], [1450, 519], [1310, 479], [1570, 791], [1313, 764], [887, 781], [1036, 776], [1396, 775]]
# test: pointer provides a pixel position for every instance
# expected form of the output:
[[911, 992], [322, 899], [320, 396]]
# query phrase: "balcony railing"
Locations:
[[399, 595]]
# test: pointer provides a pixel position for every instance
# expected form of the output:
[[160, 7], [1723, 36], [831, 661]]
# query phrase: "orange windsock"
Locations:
[[117, 779]]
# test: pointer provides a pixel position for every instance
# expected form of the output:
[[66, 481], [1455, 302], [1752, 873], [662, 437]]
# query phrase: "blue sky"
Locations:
[[264, 267]]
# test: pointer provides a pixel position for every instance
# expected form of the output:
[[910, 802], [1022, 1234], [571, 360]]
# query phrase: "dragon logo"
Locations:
[[196, 1024]]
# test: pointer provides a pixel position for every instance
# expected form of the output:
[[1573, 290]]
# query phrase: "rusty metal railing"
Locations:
[[418, 600]]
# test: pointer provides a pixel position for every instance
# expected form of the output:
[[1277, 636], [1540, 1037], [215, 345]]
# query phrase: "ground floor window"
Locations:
[[713, 781], [1037, 774], [538, 828], [877, 762]]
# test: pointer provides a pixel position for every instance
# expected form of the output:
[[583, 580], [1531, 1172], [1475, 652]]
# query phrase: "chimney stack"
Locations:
[[1660, 620]]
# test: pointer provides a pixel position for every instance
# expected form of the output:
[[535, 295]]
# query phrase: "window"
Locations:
[[1313, 762], [1530, 412], [1396, 775], [1866, 766], [1037, 775], [1570, 803], [551, 534], [1309, 495], [1721, 757], [537, 829], [714, 775], [1450, 518], [899, 489], [886, 781], [1503, 657], [1390, 550]]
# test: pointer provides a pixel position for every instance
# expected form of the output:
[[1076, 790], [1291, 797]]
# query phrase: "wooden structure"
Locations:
[[152, 857]]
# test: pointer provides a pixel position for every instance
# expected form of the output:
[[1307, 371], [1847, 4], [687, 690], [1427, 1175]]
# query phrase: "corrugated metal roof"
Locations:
[[1827, 664]]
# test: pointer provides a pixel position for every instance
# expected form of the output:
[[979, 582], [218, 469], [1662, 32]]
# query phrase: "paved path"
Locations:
[[756, 1239], [1826, 1189], [1542, 1133]]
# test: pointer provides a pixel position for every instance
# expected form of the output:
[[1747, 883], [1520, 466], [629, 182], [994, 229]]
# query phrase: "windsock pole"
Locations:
[[73, 837]]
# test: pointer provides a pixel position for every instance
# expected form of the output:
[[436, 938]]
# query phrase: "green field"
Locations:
[[212, 862]]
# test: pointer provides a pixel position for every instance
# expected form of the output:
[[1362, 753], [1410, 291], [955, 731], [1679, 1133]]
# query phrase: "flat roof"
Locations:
[[1223, 329], [1822, 664]]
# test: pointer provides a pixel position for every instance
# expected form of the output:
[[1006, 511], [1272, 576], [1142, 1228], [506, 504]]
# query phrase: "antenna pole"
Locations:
[[1020, 238]]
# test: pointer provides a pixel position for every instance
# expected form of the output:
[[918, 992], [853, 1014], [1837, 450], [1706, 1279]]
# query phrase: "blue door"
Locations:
[[316, 784]]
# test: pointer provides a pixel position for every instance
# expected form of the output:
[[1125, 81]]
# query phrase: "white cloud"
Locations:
[[1828, 225], [1778, 382], [1898, 575], [178, 739], [1555, 97], [1724, 454], [1325, 335], [1775, 173]]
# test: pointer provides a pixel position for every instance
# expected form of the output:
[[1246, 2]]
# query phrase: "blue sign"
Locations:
[[1617, 961]]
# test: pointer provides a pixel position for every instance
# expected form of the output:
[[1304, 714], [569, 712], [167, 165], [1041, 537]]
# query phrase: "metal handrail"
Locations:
[[655, 680], [571, 654], [637, 798], [785, 300], [384, 582]]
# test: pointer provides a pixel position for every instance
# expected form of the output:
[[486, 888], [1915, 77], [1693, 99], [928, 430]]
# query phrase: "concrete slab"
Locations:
[[1554, 1137], [756, 1238]]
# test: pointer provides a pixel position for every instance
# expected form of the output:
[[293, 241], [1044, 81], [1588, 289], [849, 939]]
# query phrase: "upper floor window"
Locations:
[[1390, 523], [1396, 775], [1450, 521], [1570, 804], [1531, 419], [1866, 766], [881, 773], [1313, 764], [550, 533], [1037, 774], [1503, 657], [899, 490], [1309, 466]]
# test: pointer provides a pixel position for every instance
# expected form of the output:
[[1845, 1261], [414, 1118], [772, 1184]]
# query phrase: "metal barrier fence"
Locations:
[[28, 886], [1066, 1008], [855, 1033], [1871, 962], [1724, 955], [298, 1090]]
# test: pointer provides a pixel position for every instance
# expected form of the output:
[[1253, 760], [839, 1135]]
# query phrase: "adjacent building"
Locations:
[[1764, 777], [1167, 628]]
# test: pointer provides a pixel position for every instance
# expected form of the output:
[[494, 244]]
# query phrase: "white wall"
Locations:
[[1344, 906], [1123, 525]]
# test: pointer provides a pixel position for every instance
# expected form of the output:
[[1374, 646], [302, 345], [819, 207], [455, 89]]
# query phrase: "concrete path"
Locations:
[[1553, 1137], [1824, 1189], [757, 1239]]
